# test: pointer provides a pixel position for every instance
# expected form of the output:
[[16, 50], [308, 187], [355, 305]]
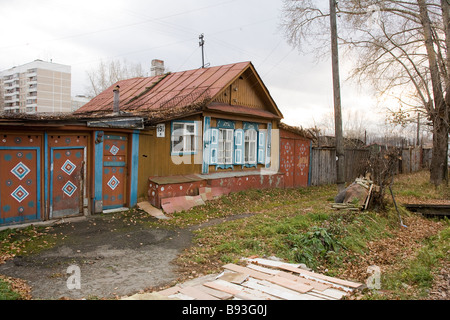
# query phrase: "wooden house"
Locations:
[[211, 127], [151, 138]]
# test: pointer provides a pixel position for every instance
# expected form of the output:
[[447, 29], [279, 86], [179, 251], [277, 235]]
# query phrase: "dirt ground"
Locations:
[[115, 259]]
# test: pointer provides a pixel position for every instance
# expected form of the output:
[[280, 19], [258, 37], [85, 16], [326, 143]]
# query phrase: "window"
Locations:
[[225, 149], [183, 137], [251, 138]]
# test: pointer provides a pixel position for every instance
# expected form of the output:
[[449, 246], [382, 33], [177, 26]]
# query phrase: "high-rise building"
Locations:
[[38, 86]]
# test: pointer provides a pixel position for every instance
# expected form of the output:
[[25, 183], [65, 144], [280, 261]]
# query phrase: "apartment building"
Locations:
[[38, 86]]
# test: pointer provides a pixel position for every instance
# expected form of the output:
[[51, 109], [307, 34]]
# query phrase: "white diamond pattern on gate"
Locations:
[[69, 188], [20, 170], [68, 167], [19, 194], [113, 182], [114, 149]]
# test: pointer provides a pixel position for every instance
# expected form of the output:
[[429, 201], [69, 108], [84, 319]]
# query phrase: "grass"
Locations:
[[6, 291], [297, 225], [414, 280]]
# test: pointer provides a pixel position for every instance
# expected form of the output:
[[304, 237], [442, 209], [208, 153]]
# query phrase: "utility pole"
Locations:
[[201, 44], [337, 100], [418, 130]]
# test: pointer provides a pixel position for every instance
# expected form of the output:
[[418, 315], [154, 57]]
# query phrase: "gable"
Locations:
[[247, 90]]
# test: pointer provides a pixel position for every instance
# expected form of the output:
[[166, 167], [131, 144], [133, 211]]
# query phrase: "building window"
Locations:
[[251, 138], [225, 149], [183, 137]]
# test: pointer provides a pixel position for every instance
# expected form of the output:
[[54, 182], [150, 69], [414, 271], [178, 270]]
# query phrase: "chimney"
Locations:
[[157, 68], [116, 99]]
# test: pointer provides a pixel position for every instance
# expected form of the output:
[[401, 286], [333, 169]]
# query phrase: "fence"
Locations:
[[323, 163]]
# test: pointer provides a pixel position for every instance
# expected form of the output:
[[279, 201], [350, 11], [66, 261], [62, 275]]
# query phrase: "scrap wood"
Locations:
[[238, 291], [344, 284], [277, 291], [346, 206], [321, 277], [197, 293], [316, 285]]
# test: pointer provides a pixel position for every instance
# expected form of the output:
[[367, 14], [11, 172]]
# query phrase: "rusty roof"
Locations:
[[173, 89], [171, 93]]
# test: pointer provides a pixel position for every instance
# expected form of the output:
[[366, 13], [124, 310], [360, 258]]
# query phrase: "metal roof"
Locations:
[[172, 90]]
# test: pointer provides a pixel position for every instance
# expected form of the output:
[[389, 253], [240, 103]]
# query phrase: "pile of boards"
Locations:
[[262, 279], [356, 196]]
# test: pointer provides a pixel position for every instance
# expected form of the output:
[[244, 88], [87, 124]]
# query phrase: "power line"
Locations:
[[121, 26]]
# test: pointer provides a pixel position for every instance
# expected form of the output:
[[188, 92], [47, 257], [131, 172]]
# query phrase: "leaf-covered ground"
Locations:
[[298, 225]]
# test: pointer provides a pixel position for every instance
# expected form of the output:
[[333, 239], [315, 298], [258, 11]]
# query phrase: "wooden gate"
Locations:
[[20, 178], [114, 171], [67, 175], [294, 161], [302, 158]]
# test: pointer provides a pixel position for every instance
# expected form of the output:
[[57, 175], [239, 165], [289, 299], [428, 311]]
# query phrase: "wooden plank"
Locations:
[[216, 293], [238, 291], [222, 286], [197, 294], [181, 296], [271, 263], [346, 283], [262, 269], [234, 277], [293, 268], [277, 291], [250, 272], [316, 285], [332, 293], [293, 285]]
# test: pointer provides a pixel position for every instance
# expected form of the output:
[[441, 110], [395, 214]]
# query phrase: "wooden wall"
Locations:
[[155, 157], [244, 91]]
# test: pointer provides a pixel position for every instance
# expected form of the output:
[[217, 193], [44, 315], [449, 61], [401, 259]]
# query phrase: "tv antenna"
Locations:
[[202, 44]]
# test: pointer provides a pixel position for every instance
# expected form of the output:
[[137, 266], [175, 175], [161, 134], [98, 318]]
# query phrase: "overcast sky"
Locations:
[[82, 33]]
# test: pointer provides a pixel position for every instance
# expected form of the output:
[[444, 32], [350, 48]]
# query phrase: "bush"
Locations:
[[314, 247]]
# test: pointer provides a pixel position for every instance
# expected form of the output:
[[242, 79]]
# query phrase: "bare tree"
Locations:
[[107, 73], [401, 47]]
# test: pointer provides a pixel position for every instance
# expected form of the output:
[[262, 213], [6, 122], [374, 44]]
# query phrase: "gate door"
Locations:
[[114, 171], [287, 166], [67, 175], [301, 163], [19, 180]]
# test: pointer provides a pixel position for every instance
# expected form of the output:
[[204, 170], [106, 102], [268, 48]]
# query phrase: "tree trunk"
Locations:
[[439, 166], [439, 169]]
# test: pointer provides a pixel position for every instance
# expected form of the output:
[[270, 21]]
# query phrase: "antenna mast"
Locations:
[[201, 44]]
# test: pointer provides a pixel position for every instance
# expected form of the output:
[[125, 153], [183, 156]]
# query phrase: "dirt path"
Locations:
[[114, 259]]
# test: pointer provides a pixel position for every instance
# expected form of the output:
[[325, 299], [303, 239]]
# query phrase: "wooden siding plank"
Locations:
[[197, 294], [278, 291], [234, 277], [238, 291], [303, 272], [262, 269], [250, 272], [216, 293], [345, 283], [316, 285], [293, 285]]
